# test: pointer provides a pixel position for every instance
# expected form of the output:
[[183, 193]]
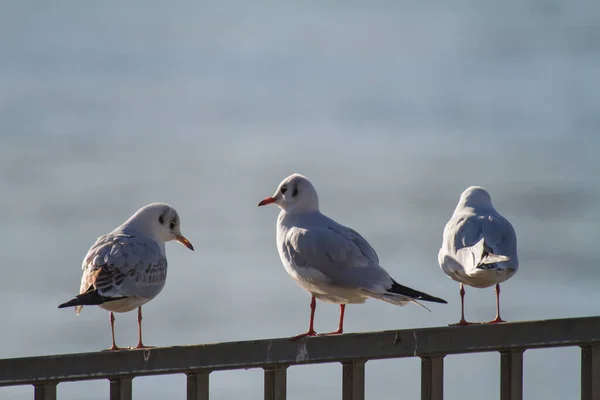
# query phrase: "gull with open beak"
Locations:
[[127, 267], [332, 262]]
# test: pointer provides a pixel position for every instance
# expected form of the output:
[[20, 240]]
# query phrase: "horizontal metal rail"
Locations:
[[352, 350]]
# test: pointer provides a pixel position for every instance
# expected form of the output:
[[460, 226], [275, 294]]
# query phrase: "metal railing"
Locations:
[[351, 350]]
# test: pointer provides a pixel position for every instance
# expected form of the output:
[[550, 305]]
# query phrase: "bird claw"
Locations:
[[305, 334], [114, 348], [462, 322]]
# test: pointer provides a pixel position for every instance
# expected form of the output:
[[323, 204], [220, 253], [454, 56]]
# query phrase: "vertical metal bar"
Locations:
[[44, 391], [197, 385], [120, 389], [590, 372], [275, 383], [511, 375], [353, 380], [432, 378]]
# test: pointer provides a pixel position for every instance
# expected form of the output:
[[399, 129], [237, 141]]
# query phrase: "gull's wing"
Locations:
[[480, 240], [121, 265], [335, 255]]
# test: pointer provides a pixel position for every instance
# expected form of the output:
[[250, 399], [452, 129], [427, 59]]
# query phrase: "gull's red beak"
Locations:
[[181, 239], [268, 200]]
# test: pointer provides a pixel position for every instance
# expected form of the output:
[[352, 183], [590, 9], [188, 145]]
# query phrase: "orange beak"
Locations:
[[181, 239], [268, 200]]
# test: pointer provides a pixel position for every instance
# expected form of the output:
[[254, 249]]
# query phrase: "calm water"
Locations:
[[391, 109]]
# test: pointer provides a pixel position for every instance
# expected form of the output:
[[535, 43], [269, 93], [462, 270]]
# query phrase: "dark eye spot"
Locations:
[[161, 220], [172, 225], [283, 189], [295, 192]]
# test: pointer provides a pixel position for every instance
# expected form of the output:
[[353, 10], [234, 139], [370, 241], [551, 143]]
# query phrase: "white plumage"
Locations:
[[127, 267], [331, 261], [479, 246]]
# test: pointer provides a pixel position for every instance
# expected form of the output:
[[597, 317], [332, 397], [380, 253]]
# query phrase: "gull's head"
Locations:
[[475, 197], [294, 193], [159, 221]]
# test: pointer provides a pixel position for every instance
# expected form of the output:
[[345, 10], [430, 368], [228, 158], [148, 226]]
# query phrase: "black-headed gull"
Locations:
[[127, 267], [332, 262], [479, 246]]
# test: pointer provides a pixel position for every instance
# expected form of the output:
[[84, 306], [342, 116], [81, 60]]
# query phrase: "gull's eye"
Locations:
[[172, 225], [295, 192], [283, 189]]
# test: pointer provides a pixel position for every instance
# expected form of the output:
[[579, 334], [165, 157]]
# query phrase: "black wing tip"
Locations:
[[76, 301], [433, 299], [85, 299], [488, 267], [415, 294], [438, 300]]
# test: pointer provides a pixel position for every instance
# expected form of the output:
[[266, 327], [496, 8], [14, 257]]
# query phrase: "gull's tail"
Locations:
[[488, 259]]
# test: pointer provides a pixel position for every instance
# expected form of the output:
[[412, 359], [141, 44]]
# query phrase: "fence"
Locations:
[[351, 350]]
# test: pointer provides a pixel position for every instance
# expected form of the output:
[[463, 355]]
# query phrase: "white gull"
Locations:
[[332, 262], [479, 246], [127, 267]]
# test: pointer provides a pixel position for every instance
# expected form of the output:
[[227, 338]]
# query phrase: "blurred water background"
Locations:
[[391, 108]]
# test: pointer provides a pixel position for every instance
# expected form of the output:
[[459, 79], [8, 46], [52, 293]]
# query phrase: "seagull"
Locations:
[[332, 262], [127, 267], [479, 246]]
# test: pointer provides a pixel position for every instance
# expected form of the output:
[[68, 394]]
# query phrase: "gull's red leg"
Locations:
[[111, 316], [497, 319], [311, 329], [340, 329], [462, 321], [140, 345]]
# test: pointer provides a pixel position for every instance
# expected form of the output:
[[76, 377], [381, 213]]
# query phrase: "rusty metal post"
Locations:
[[353, 380], [511, 374], [590, 372], [432, 377]]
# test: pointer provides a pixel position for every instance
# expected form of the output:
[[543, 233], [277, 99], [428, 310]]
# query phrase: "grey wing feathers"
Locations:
[[364, 246], [343, 257], [124, 265]]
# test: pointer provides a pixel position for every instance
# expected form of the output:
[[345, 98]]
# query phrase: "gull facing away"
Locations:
[[127, 267], [332, 262], [479, 246]]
